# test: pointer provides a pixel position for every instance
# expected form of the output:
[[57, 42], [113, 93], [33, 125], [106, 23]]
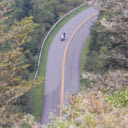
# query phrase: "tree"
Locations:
[[90, 109], [23, 8], [111, 36], [13, 84], [118, 25]]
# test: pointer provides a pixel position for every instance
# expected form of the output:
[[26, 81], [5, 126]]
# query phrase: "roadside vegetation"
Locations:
[[91, 109], [13, 83], [84, 52], [103, 99]]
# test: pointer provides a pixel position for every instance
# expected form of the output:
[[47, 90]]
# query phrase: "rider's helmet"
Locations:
[[64, 33]]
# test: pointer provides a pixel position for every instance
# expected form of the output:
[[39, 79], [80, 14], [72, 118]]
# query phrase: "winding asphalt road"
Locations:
[[52, 91]]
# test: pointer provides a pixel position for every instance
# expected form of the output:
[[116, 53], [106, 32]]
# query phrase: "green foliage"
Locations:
[[120, 98], [85, 50], [108, 46], [98, 46], [24, 7], [25, 125], [13, 81]]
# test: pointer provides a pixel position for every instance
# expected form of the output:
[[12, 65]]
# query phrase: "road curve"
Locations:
[[51, 101]]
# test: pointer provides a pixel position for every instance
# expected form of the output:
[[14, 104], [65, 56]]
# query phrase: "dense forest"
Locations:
[[13, 83], [103, 99]]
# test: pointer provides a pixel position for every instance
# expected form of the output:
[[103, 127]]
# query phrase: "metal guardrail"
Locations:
[[39, 58]]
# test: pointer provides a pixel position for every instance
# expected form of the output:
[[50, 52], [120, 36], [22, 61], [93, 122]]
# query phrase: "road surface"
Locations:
[[52, 91]]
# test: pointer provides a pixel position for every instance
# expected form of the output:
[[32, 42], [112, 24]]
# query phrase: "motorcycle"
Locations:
[[62, 38]]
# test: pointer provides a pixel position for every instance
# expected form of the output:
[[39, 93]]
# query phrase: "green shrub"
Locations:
[[90, 109], [120, 98]]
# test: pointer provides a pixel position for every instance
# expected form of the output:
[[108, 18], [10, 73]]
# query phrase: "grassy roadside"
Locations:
[[36, 94], [83, 55]]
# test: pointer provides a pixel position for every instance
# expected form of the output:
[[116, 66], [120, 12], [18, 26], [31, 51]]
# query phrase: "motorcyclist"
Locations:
[[64, 34]]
